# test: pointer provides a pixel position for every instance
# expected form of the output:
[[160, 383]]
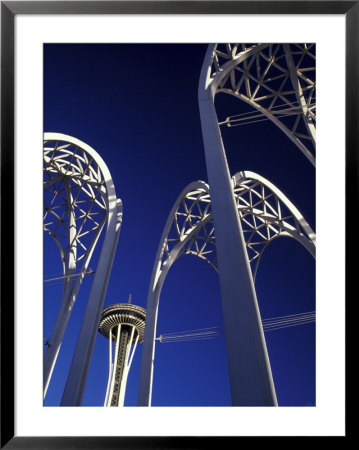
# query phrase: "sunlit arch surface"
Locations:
[[79, 197], [278, 80], [265, 214], [75, 203], [189, 228]]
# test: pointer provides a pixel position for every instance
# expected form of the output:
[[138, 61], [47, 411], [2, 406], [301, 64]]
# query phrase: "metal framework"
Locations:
[[79, 198], [278, 80], [124, 324], [265, 214]]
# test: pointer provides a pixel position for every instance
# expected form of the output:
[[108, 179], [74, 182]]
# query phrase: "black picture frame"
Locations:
[[9, 9]]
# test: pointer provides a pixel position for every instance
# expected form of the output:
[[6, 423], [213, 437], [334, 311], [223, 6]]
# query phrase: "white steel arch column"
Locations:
[[77, 376], [92, 195], [265, 213], [171, 246], [250, 374], [76, 380]]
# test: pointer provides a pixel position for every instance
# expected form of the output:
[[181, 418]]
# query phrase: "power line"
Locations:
[[89, 272], [271, 324], [191, 335], [250, 117]]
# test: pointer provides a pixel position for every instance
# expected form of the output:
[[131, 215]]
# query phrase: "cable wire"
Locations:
[[249, 117], [270, 324], [89, 272]]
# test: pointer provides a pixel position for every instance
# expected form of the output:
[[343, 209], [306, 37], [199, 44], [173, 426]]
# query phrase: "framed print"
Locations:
[[147, 158]]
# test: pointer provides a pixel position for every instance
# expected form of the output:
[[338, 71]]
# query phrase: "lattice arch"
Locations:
[[265, 212], [79, 199], [189, 229], [75, 203], [278, 80]]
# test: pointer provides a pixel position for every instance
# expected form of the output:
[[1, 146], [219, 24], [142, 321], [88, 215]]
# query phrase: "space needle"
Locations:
[[124, 324]]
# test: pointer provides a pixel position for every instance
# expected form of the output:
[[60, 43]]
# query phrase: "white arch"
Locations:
[[173, 245], [273, 212], [250, 373], [275, 79], [165, 257], [73, 166]]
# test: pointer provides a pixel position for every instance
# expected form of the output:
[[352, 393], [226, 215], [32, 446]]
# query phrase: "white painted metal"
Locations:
[[118, 336], [250, 375], [79, 199], [133, 352], [278, 80], [265, 213], [76, 380], [165, 257], [131, 342], [110, 366]]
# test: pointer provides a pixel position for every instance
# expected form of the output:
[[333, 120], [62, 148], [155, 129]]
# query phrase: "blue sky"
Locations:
[[136, 105]]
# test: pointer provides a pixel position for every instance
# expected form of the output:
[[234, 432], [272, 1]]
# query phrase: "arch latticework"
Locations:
[[278, 80], [75, 203], [191, 229], [79, 198], [265, 213]]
